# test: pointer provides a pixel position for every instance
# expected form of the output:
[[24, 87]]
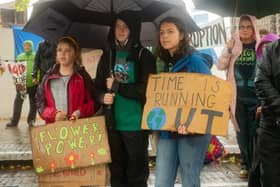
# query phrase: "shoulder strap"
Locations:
[[140, 53]]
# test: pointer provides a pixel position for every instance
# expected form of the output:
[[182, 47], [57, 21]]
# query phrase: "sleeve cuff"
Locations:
[[115, 86], [78, 113]]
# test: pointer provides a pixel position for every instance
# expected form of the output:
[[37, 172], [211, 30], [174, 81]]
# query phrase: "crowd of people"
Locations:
[[65, 91]]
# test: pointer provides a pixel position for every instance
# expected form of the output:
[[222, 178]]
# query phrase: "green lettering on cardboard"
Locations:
[[81, 142], [85, 129], [100, 137], [72, 144], [59, 147], [63, 133], [48, 148], [91, 139], [50, 136], [75, 131], [42, 136], [95, 127]]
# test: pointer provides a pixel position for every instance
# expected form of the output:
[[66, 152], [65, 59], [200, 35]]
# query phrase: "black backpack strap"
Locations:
[[140, 53]]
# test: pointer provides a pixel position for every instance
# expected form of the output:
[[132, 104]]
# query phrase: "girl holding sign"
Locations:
[[181, 149], [64, 92]]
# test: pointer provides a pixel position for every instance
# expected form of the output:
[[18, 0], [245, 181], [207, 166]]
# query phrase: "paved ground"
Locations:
[[15, 145], [221, 175]]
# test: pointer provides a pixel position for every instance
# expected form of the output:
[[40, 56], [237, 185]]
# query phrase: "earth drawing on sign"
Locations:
[[156, 118]]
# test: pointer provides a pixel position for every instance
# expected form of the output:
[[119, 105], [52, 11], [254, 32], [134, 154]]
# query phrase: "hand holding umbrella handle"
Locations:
[[109, 106], [109, 83]]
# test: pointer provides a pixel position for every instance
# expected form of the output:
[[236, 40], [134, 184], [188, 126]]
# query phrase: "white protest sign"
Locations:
[[211, 35], [18, 71]]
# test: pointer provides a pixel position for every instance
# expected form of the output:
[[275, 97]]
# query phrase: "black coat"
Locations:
[[144, 65], [268, 84]]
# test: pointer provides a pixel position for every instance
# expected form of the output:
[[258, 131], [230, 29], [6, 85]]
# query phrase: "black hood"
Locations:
[[134, 24]]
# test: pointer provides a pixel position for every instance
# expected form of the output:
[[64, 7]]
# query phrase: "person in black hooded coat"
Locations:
[[121, 81]]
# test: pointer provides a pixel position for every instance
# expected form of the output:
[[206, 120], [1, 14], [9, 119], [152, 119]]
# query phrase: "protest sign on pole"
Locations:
[[211, 35], [199, 102], [18, 71]]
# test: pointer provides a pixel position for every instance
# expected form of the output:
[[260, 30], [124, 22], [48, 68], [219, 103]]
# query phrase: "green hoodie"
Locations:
[[29, 57]]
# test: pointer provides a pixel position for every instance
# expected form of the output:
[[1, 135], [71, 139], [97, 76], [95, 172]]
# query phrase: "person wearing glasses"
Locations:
[[238, 59]]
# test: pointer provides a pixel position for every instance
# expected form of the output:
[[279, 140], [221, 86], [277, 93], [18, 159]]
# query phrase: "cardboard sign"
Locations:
[[69, 145], [91, 176], [18, 71], [90, 59], [211, 35], [199, 102]]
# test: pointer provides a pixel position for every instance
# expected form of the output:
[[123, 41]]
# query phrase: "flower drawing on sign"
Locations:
[[52, 166], [71, 159], [91, 154], [40, 169], [102, 151]]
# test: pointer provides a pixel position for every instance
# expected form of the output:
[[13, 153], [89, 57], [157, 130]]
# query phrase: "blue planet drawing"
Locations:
[[156, 118]]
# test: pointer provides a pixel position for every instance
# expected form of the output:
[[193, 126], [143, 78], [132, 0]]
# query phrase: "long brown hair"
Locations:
[[184, 44], [71, 41]]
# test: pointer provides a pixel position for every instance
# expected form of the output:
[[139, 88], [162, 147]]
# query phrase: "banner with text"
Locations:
[[197, 101], [211, 35], [70, 145]]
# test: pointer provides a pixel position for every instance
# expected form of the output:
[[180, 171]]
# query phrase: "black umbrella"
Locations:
[[89, 20], [230, 8]]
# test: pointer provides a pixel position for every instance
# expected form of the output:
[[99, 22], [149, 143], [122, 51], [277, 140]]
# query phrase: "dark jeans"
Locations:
[[129, 152], [246, 118], [18, 106], [255, 171], [269, 151]]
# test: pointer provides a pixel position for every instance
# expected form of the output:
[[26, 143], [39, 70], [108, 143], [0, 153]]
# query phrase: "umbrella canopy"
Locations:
[[90, 20], [232, 8]]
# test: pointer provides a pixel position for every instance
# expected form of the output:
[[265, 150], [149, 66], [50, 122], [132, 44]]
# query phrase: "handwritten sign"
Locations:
[[211, 35], [18, 71], [91, 176], [199, 102], [69, 145]]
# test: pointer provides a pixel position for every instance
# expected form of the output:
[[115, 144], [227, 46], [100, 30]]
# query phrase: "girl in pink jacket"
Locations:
[[239, 61]]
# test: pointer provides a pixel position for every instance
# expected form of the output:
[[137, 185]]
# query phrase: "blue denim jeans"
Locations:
[[188, 153]]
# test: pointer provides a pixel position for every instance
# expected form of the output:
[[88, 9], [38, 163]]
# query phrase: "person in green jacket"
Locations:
[[28, 56]]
